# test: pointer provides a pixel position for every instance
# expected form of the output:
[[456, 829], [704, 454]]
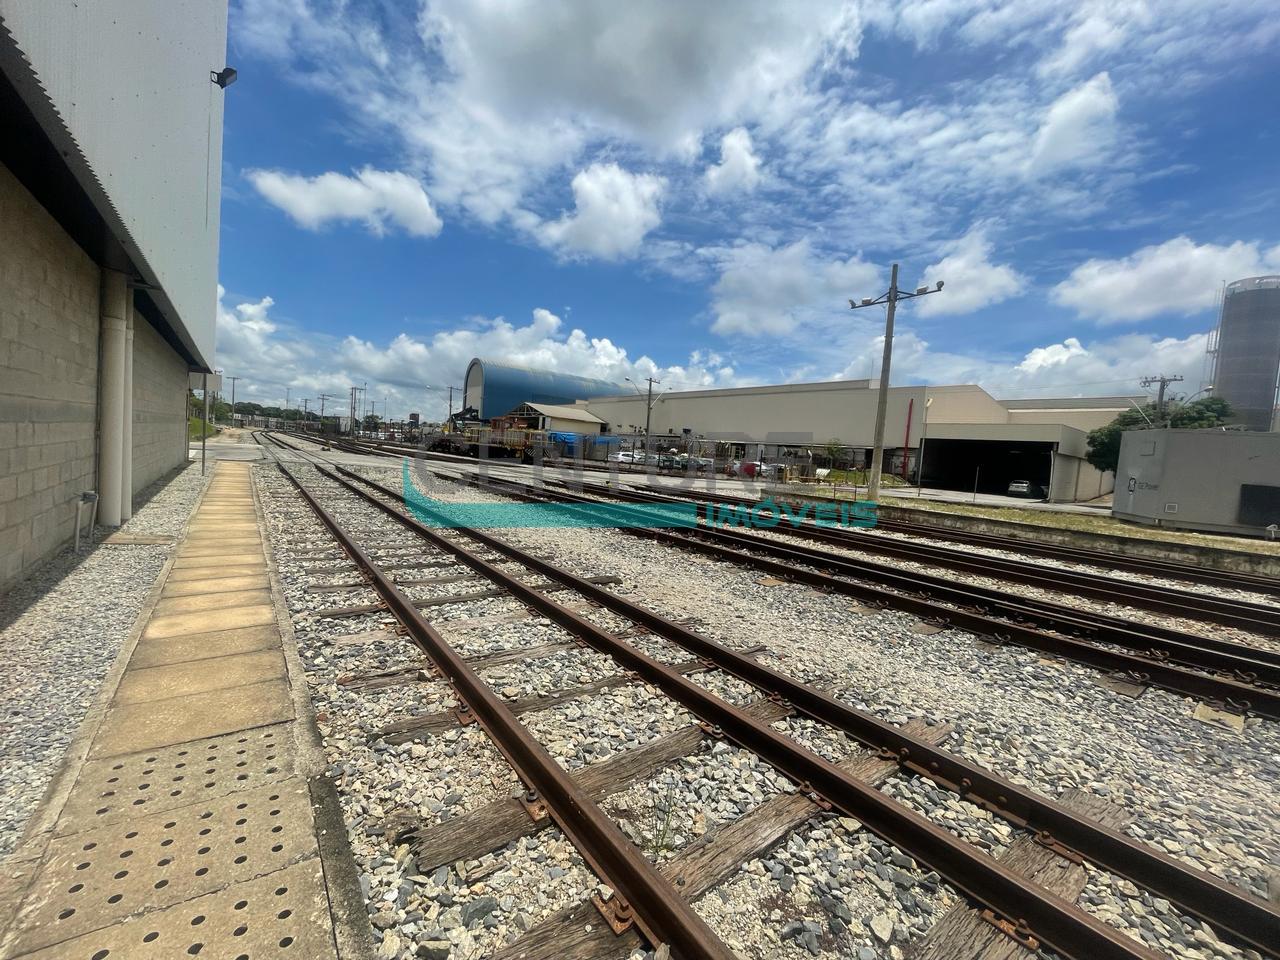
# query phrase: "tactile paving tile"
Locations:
[[99, 877], [169, 777], [277, 917]]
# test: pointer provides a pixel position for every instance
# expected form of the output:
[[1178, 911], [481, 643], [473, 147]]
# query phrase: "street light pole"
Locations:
[[233, 398], [890, 298], [924, 435]]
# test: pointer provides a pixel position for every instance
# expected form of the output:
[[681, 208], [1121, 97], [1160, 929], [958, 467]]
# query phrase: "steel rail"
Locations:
[[1243, 916], [1025, 906], [970, 612], [1256, 617], [1162, 568], [1237, 657], [657, 906]]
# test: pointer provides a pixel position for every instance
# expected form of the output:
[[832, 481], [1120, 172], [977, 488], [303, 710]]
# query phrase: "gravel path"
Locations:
[[62, 629]]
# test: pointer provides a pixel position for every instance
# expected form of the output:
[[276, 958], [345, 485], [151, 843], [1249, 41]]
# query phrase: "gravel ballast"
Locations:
[[1202, 793], [63, 627]]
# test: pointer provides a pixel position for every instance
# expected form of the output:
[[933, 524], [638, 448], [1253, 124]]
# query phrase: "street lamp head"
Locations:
[[921, 291], [939, 284], [867, 301]]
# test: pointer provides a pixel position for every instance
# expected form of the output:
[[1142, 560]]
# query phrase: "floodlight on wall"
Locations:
[[224, 77]]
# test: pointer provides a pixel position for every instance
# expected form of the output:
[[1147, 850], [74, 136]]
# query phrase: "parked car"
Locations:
[[624, 456], [1025, 488]]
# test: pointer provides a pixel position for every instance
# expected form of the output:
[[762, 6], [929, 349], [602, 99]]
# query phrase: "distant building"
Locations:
[[968, 437], [1219, 481], [110, 162], [493, 388], [1247, 351]]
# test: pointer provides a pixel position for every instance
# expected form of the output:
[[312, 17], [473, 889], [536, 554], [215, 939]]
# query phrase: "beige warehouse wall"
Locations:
[[159, 406], [1085, 420], [48, 379], [965, 404], [824, 411]]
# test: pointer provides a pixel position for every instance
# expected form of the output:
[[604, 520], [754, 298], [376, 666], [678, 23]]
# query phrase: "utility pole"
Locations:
[[1147, 382], [323, 398], [648, 409], [286, 398], [306, 413], [233, 398], [882, 400]]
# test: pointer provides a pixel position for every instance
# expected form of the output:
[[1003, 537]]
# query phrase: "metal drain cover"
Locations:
[[282, 915], [101, 876], [169, 777]]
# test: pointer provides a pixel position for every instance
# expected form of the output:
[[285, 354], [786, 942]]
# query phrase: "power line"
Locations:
[[891, 297]]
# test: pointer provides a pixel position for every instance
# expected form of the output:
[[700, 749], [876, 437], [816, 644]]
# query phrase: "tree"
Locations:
[[1104, 443], [834, 451]]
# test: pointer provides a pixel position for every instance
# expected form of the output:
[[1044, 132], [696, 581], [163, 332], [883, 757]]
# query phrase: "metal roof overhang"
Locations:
[[1069, 440], [37, 147]]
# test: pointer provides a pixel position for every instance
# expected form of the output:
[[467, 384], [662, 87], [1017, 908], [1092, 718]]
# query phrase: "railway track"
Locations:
[[1165, 569], [1243, 677], [1032, 911], [1258, 618]]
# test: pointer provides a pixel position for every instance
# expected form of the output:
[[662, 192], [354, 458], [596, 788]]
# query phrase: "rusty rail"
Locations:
[[1245, 615], [1246, 918], [646, 896], [1023, 905], [1015, 621]]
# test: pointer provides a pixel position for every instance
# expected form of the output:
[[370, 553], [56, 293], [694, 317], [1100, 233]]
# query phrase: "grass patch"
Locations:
[[195, 426], [1102, 523]]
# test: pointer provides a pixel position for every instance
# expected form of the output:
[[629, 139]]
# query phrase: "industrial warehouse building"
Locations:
[[968, 437], [110, 159]]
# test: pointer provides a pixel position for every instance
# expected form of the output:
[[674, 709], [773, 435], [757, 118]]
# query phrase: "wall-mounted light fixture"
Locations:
[[224, 77]]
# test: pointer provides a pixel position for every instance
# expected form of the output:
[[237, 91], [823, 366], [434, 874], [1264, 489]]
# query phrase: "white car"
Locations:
[[623, 456]]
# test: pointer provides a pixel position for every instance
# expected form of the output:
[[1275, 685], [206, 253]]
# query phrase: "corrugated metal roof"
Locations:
[[495, 387]]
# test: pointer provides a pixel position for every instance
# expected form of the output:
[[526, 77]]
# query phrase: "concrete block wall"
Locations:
[[159, 405], [49, 291]]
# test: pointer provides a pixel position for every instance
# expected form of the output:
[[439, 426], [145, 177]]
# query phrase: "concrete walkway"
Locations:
[[188, 826]]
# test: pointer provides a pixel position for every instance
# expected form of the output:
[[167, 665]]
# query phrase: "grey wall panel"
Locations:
[[130, 81]]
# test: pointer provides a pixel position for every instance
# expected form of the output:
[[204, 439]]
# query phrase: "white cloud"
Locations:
[[1178, 276], [645, 70], [376, 198], [491, 99], [764, 291], [972, 280], [613, 210], [1069, 368], [1078, 129], [272, 355], [739, 167]]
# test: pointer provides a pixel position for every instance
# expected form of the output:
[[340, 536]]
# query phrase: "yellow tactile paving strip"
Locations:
[[190, 792]]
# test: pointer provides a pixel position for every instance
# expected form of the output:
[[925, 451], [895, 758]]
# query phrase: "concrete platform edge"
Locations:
[[352, 931]]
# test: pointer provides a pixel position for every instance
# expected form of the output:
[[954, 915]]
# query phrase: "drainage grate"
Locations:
[[137, 784], [280, 916], [103, 875]]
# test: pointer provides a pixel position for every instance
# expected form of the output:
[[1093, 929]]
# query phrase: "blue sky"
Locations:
[[693, 191]]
